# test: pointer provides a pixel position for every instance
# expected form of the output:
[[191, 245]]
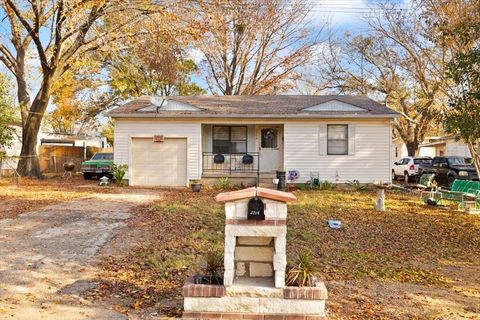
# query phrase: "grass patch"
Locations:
[[408, 243]]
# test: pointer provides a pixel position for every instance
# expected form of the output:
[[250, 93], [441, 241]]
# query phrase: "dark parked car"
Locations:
[[447, 169]]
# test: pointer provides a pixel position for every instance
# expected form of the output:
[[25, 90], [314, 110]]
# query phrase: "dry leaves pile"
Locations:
[[32, 194], [408, 247]]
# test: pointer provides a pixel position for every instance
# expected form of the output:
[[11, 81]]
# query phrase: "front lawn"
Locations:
[[411, 261]]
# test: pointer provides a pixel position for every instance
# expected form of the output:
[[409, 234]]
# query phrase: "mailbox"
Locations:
[[256, 209]]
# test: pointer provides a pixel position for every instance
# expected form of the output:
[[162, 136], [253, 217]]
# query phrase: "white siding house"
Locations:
[[125, 131], [368, 159], [171, 142]]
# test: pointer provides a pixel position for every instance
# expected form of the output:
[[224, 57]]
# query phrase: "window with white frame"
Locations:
[[337, 139]]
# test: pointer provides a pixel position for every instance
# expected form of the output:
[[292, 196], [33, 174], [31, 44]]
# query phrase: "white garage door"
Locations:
[[159, 163]]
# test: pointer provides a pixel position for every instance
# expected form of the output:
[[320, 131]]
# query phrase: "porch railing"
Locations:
[[233, 163]]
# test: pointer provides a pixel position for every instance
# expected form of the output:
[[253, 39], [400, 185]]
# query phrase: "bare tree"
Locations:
[[60, 31], [252, 46], [398, 62]]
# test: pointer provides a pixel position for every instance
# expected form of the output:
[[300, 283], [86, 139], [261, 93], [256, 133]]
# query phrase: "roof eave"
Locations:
[[256, 116]]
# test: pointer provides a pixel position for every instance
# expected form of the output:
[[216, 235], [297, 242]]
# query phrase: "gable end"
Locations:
[[335, 106], [164, 104]]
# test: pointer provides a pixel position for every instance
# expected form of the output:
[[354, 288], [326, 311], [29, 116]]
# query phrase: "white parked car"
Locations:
[[407, 168]]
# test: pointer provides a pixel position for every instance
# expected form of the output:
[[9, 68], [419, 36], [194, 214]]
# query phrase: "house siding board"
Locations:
[[125, 130], [456, 148], [370, 162]]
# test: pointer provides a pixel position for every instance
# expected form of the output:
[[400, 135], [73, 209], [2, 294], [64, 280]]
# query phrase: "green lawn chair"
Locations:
[[473, 193], [427, 180], [455, 194]]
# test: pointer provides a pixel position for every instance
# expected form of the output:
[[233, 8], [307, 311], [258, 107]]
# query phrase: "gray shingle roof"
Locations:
[[275, 106]]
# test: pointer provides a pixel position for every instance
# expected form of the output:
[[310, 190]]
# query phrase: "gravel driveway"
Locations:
[[48, 257]]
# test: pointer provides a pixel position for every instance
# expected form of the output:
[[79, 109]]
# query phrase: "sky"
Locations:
[[342, 16]]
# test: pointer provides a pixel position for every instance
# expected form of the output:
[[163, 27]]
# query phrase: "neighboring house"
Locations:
[[48, 139], [444, 146], [399, 149], [169, 142], [433, 147]]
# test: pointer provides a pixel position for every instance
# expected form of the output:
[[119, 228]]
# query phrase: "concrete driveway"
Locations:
[[48, 257]]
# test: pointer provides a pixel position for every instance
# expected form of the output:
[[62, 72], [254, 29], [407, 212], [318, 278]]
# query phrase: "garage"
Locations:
[[158, 163]]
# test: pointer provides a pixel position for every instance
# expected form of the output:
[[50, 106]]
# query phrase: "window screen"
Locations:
[[337, 139]]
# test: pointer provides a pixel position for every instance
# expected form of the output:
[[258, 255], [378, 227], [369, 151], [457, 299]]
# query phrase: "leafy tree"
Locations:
[[7, 115], [131, 76], [154, 64], [60, 33], [462, 118], [77, 98], [108, 132], [460, 25], [255, 46]]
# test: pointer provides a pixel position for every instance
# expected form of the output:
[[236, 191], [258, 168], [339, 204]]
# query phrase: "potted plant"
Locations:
[[212, 269], [196, 185], [301, 273]]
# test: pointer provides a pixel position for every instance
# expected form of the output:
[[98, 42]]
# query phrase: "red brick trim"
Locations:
[[305, 293], [249, 316], [266, 222], [202, 290]]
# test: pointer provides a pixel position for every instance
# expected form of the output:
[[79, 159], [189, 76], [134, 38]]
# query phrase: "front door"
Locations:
[[270, 151]]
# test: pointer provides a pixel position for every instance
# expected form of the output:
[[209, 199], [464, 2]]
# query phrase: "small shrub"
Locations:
[[326, 185], [304, 186], [302, 272], [223, 183], [119, 171], [356, 185], [213, 267]]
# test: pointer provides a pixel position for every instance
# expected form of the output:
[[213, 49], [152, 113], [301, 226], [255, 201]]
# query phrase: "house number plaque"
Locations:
[[256, 209], [158, 138]]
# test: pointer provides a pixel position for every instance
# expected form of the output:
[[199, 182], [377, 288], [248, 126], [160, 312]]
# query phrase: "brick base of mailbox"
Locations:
[[190, 289], [216, 302], [249, 316]]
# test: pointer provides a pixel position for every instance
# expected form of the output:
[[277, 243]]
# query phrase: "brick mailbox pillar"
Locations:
[[255, 248], [255, 261]]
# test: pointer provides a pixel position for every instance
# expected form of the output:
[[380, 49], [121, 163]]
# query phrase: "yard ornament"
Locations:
[[104, 181]]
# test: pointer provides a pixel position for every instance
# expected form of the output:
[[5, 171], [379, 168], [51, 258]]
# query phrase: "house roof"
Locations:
[[433, 144], [273, 106]]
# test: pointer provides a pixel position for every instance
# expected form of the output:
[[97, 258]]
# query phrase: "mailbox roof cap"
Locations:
[[256, 191]]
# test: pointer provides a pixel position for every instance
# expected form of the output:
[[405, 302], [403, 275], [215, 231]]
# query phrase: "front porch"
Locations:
[[253, 151]]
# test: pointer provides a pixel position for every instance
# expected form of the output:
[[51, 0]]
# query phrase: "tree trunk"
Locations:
[[29, 165], [412, 148], [476, 159]]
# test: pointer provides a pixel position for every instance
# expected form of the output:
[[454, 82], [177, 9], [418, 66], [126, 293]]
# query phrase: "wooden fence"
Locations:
[[52, 158]]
